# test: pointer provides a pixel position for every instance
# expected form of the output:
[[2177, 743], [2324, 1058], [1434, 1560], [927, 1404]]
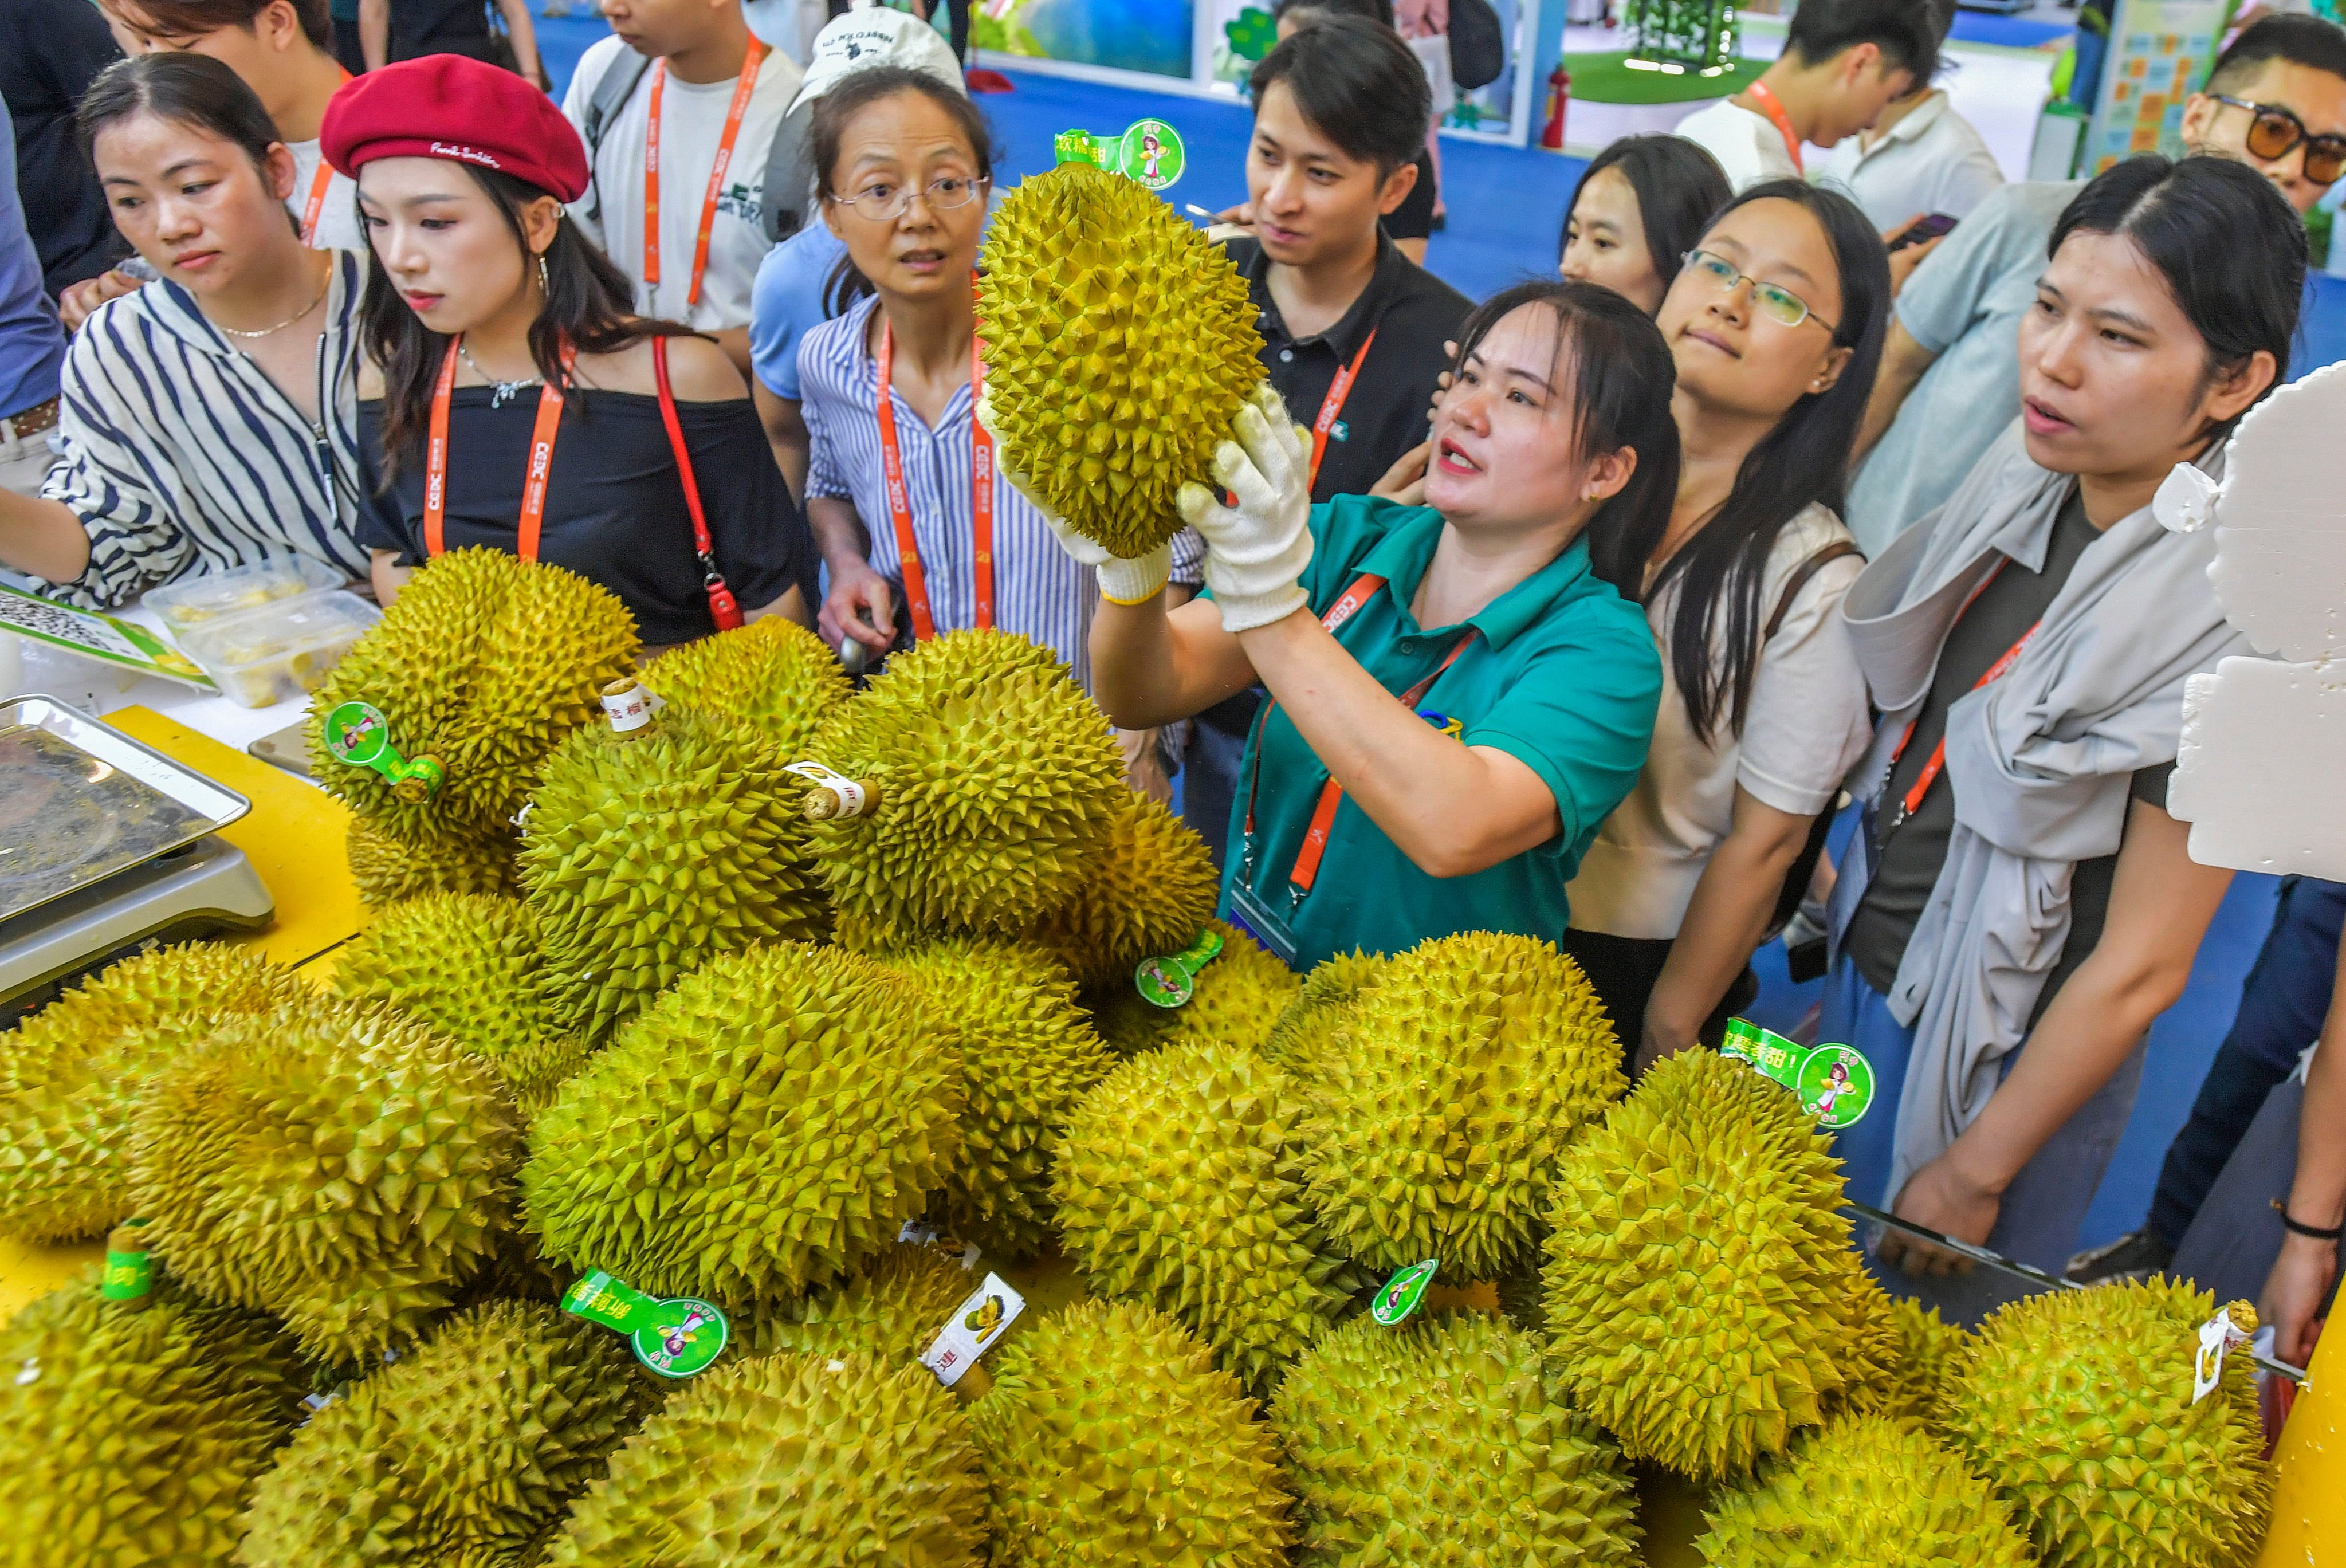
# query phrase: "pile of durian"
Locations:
[[705, 1032]]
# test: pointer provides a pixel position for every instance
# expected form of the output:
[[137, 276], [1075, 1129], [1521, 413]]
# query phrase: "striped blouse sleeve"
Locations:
[[1189, 558], [108, 479], [819, 407]]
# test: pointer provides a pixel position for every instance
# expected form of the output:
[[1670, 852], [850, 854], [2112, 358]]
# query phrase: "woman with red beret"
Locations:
[[513, 400]]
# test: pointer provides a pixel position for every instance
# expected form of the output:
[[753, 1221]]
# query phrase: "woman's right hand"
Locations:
[[861, 605], [1256, 551], [1405, 481], [75, 305], [2290, 1303]]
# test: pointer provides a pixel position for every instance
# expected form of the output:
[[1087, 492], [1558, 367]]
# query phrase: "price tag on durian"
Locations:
[[1171, 980], [1402, 1292], [976, 1324], [2218, 1336], [1149, 153], [1835, 1083], [675, 1338], [358, 734]]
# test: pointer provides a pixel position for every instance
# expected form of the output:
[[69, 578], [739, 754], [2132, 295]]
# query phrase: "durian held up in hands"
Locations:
[[1119, 346]]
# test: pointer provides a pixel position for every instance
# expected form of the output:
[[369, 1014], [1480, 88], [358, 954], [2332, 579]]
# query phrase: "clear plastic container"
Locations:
[[201, 601], [281, 650]]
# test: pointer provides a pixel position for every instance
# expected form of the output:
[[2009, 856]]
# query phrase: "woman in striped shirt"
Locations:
[[906, 165], [208, 419]]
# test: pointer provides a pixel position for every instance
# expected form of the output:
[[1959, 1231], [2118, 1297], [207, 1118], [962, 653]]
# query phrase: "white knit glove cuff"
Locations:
[[1124, 582]]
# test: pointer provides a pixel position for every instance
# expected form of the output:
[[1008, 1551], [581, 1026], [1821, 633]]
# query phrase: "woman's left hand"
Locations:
[[2290, 1302], [1940, 1198], [1257, 550], [1661, 1039]]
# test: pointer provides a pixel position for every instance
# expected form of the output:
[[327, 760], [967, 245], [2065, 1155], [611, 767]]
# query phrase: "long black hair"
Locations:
[[1678, 185], [587, 299], [1621, 383], [2231, 250], [826, 132], [1803, 461], [189, 89]]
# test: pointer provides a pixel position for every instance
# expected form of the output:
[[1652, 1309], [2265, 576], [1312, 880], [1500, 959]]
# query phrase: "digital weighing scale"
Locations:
[[107, 848]]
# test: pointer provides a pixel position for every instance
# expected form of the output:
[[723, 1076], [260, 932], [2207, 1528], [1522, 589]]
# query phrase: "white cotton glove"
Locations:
[[1257, 550], [1126, 582]]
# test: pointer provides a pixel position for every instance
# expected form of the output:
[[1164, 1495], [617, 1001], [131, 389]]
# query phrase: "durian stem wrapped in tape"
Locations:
[[1119, 347]]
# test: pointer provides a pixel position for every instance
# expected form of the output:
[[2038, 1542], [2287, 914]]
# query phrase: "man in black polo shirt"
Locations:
[[1352, 330]]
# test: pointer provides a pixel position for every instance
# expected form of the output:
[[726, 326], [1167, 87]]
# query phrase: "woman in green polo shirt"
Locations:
[[1459, 695]]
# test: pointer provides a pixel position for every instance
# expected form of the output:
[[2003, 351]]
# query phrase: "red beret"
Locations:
[[465, 110]]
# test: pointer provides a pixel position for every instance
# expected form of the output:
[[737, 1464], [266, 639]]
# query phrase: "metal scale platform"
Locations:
[[107, 847]]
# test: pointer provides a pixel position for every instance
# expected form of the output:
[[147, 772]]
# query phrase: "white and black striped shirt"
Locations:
[[181, 457], [1039, 591]]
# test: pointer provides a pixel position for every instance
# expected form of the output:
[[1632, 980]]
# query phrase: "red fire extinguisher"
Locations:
[[1559, 94]]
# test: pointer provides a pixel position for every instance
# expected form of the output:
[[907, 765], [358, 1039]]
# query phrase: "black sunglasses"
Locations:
[[2274, 130]]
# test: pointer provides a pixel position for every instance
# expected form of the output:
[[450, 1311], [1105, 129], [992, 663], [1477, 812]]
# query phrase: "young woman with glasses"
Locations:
[[904, 165], [513, 400], [1775, 323]]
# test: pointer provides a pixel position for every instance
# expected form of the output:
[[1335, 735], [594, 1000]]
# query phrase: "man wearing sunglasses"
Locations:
[[1950, 377]]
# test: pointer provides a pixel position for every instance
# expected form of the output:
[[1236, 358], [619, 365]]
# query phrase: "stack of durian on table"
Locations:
[[663, 1004]]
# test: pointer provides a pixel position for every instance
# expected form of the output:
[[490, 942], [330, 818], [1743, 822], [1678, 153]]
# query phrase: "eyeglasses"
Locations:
[[2274, 131], [1780, 305], [884, 202]]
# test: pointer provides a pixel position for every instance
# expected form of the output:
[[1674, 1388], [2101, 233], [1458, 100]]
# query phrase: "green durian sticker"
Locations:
[[675, 1338], [1401, 1293], [358, 734], [1149, 153], [1835, 1083], [129, 1275], [1170, 980]]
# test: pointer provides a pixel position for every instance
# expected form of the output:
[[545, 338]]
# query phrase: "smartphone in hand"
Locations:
[[1922, 231]]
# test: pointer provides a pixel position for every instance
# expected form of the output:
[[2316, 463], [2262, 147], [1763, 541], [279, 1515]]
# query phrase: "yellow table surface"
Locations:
[[2309, 1511], [293, 837]]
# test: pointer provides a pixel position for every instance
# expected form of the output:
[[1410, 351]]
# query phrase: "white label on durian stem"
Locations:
[[29, 1374], [630, 709], [921, 1233], [2218, 1335], [850, 794], [972, 1329]]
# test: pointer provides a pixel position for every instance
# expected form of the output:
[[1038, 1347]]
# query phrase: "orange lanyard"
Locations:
[[321, 177], [1936, 762], [900, 507], [1773, 108], [1306, 869], [541, 456], [1333, 404], [733, 113]]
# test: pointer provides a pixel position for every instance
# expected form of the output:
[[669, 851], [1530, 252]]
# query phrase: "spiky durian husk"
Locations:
[[485, 661], [1444, 1440], [789, 1461], [1110, 1437], [1099, 302], [470, 967], [761, 1127], [1239, 996], [1151, 894], [335, 1164], [647, 855], [466, 1452], [131, 1439], [1178, 1185], [2077, 1406], [390, 867], [1863, 1492], [1703, 1301], [1028, 1054], [998, 778], [772, 673], [1436, 1120], [1329, 992], [1916, 1349], [889, 1312], [71, 1074]]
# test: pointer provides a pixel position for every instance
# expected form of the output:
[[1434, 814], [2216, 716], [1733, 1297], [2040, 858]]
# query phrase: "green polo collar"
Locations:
[[1402, 556]]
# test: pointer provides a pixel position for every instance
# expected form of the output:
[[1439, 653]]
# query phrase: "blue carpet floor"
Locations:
[[1505, 204]]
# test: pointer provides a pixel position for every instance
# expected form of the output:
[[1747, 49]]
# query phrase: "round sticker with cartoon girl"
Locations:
[[1151, 154], [1836, 1085]]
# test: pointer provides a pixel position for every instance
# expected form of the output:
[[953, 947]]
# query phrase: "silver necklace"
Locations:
[[500, 393], [289, 320]]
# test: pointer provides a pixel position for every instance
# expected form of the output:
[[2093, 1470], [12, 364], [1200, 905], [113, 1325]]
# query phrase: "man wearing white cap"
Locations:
[[791, 296]]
